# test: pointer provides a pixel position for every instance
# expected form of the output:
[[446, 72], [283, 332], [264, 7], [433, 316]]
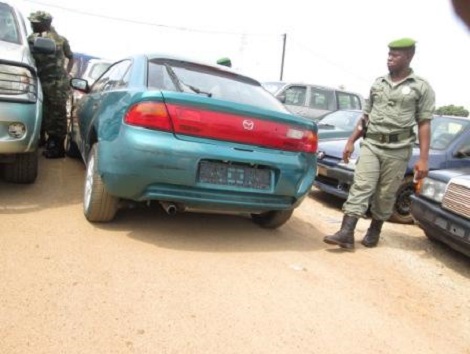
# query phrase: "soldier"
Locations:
[[397, 103], [55, 83]]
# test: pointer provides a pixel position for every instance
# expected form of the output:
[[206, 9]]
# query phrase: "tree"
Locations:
[[452, 110]]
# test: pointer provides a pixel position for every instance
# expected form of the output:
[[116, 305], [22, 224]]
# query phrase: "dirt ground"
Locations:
[[201, 283]]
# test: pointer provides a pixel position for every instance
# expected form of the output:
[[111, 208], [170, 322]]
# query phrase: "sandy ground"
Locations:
[[200, 283]]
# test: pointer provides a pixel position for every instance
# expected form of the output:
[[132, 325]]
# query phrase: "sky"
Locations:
[[337, 43]]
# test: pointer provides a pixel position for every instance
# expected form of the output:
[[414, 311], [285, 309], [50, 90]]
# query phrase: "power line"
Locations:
[[331, 62], [120, 19]]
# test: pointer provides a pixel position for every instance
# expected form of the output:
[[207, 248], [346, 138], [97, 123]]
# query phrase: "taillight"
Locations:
[[151, 115], [203, 123], [241, 129]]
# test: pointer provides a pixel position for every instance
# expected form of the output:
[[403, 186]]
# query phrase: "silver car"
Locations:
[[313, 101], [20, 97]]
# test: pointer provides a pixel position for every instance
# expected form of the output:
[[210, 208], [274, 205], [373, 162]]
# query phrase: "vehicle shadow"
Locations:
[[59, 182], [328, 200], [210, 232], [429, 249]]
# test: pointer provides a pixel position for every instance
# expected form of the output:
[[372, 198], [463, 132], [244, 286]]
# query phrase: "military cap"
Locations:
[[224, 61], [39, 16], [402, 43]]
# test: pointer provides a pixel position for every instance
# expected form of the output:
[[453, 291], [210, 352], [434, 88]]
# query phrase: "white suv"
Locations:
[[313, 101], [20, 97]]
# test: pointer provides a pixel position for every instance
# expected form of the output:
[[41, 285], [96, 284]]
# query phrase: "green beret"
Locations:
[[224, 61], [39, 16], [402, 43]]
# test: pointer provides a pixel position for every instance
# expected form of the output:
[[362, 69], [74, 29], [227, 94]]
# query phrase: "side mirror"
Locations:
[[44, 45], [281, 97], [80, 85]]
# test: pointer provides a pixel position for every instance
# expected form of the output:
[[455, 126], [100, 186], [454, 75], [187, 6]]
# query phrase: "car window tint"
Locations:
[[9, 31], [348, 101], [295, 95], [116, 77], [322, 99], [210, 82]]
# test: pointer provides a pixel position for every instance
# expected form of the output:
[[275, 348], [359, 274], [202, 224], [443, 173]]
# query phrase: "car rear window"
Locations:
[[193, 78]]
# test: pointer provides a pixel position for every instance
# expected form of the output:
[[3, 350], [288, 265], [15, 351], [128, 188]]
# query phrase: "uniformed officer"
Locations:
[[397, 103], [55, 82]]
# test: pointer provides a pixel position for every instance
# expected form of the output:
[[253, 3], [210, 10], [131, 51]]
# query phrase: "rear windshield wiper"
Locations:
[[180, 84]]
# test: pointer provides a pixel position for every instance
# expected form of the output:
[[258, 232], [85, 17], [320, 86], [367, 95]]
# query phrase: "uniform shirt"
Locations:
[[396, 107], [52, 66]]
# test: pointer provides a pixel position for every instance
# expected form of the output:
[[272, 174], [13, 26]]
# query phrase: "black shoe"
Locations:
[[344, 238], [54, 148], [42, 139], [371, 239]]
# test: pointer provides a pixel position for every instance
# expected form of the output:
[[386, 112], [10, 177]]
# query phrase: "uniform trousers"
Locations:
[[378, 175]]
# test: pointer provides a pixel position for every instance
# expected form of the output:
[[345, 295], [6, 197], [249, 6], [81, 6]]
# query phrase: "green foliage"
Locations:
[[452, 110]]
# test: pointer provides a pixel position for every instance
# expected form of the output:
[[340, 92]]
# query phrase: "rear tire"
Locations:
[[23, 170], [98, 204], [272, 219]]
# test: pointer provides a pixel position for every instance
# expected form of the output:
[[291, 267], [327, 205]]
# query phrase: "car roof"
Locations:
[[169, 56], [301, 83]]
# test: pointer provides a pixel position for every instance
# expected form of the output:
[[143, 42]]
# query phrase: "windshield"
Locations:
[[210, 82], [345, 120], [8, 25], [444, 130]]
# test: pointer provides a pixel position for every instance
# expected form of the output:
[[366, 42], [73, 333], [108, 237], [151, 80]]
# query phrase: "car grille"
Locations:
[[457, 199]]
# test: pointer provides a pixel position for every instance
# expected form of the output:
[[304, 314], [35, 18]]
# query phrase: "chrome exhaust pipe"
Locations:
[[170, 208]]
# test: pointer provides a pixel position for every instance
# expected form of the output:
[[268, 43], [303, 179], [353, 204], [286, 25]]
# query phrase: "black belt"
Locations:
[[389, 138]]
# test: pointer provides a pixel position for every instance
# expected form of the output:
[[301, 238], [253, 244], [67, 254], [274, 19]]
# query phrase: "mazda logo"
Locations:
[[320, 155], [248, 124]]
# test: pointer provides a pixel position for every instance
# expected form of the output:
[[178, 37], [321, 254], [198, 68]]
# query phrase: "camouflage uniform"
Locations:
[[54, 78]]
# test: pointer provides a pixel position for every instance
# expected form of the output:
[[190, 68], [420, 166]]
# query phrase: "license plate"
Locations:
[[234, 175], [322, 171]]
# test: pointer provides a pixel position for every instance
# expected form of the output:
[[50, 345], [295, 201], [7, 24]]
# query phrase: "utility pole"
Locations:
[[284, 36]]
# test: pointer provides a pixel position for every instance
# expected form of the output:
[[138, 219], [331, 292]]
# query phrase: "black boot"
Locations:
[[42, 139], [54, 148], [344, 238], [371, 239]]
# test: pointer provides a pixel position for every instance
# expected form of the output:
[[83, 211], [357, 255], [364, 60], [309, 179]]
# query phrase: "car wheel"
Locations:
[[401, 209], [23, 170], [272, 219], [98, 204]]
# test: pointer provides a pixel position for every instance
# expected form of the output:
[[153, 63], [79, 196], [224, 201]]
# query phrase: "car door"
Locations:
[[320, 101], [295, 97], [90, 105]]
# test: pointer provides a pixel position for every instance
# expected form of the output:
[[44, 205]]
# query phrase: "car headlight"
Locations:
[[351, 165], [432, 189]]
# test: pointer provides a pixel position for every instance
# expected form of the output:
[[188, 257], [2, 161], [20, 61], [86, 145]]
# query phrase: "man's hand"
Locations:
[[421, 169], [348, 150]]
